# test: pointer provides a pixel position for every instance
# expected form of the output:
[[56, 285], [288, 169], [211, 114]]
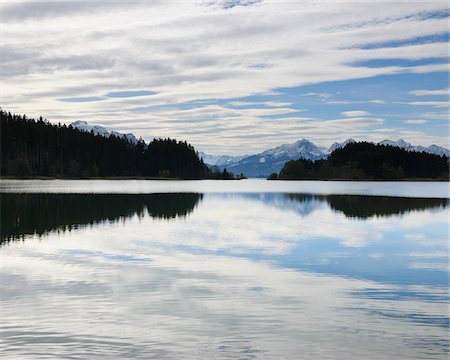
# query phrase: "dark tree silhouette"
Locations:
[[369, 161], [38, 148]]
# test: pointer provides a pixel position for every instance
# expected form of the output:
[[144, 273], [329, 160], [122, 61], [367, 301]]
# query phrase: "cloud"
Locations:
[[415, 122], [443, 116], [432, 266], [429, 255], [263, 103], [129, 93], [355, 121], [437, 104], [36, 10], [321, 95], [230, 51], [277, 103], [430, 92], [354, 113]]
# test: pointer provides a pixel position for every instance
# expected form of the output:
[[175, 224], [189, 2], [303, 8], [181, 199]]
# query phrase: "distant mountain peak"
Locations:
[[219, 160], [100, 130], [437, 150], [272, 160], [399, 143], [337, 145], [301, 148], [78, 123]]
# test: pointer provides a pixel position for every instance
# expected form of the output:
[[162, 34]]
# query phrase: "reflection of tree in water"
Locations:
[[23, 214], [360, 206]]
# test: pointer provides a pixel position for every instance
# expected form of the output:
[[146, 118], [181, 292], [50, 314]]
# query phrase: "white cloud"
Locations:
[[354, 113], [438, 104], [430, 92], [430, 266], [443, 116], [429, 255], [415, 122], [277, 103], [262, 103], [186, 51], [321, 95]]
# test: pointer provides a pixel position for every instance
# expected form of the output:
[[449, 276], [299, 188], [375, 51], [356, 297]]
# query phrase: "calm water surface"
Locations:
[[224, 270]]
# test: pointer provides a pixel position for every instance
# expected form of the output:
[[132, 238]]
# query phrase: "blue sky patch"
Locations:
[[129, 93], [83, 99]]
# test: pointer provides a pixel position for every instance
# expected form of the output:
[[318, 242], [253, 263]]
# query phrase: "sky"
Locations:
[[232, 76]]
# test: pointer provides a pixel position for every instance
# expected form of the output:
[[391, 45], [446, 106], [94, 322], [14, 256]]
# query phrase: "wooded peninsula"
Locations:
[[37, 148], [368, 161]]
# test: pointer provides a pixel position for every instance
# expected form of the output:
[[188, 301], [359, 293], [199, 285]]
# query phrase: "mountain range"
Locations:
[[99, 130], [272, 160], [220, 160]]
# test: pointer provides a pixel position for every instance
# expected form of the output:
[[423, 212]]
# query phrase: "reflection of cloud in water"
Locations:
[[230, 217], [190, 306], [243, 224], [306, 234], [422, 319], [401, 294], [444, 266], [152, 287], [100, 254]]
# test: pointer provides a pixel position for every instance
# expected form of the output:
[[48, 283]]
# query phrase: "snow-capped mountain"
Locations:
[[99, 130], [303, 147], [432, 149], [337, 145], [219, 160], [397, 143], [273, 160], [402, 144], [437, 150]]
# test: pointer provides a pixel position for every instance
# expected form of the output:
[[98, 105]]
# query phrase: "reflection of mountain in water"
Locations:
[[302, 204], [360, 206], [23, 214]]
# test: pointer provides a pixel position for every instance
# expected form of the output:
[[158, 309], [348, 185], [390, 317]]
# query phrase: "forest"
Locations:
[[367, 161], [37, 148]]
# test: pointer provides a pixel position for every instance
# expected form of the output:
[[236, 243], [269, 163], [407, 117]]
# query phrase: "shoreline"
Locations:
[[102, 178], [369, 180], [178, 179]]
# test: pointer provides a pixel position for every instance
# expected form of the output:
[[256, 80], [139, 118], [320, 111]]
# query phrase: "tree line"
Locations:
[[367, 161], [32, 147]]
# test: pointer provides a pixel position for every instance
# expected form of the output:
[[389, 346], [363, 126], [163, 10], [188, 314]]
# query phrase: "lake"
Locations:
[[249, 269]]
